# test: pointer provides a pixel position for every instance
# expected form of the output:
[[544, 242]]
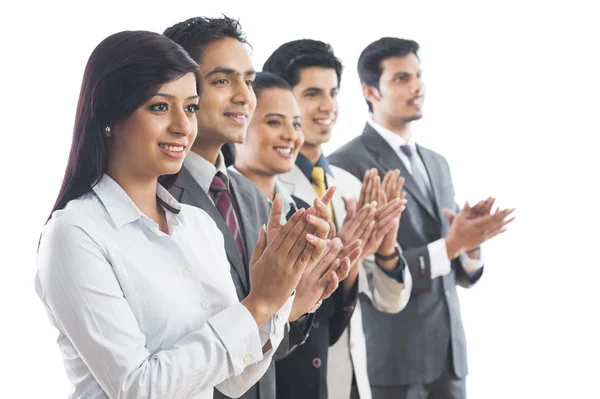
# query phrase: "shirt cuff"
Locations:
[[237, 330], [470, 265], [274, 328], [438, 258], [398, 273]]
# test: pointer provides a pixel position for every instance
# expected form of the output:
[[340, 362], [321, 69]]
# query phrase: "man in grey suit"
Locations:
[[236, 205], [420, 352]]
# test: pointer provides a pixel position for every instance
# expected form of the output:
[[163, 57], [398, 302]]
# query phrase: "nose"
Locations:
[[182, 123], [289, 132], [244, 94], [328, 104], [418, 86]]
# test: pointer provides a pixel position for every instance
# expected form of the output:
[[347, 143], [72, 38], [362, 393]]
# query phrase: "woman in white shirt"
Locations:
[[137, 284]]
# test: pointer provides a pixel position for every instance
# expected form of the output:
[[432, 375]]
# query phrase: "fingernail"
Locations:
[[310, 237], [311, 218]]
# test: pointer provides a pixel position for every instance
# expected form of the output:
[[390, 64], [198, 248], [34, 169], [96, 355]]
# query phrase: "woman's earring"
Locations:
[[107, 131]]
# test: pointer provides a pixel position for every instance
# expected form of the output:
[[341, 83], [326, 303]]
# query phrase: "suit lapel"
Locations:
[[298, 185], [389, 160], [192, 194], [339, 208], [434, 177], [249, 227]]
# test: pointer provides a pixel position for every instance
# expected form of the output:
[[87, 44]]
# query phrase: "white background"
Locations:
[[512, 102]]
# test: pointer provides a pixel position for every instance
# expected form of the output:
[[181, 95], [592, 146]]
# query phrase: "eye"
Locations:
[[192, 108], [297, 125], [334, 93], [250, 83], [273, 123], [161, 107], [221, 81]]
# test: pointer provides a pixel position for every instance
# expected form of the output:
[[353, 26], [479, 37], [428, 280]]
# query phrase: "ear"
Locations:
[[370, 93]]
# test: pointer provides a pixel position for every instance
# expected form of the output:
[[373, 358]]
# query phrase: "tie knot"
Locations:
[[217, 184], [318, 175], [407, 150]]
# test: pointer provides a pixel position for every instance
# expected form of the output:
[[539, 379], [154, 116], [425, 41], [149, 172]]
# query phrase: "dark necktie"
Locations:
[[223, 202], [416, 172]]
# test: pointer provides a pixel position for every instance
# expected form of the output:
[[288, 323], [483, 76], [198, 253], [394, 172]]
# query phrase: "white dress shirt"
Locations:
[[144, 314], [438, 254]]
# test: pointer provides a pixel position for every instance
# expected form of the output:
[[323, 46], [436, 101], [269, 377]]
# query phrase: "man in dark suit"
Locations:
[[238, 208], [420, 352]]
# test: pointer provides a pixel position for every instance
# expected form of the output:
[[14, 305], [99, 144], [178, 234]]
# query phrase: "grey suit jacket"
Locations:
[[252, 210], [412, 347]]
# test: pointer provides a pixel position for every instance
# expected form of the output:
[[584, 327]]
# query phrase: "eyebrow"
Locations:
[[170, 96], [229, 71], [281, 115]]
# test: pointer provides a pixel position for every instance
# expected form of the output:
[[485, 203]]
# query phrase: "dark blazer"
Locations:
[[252, 210], [412, 347], [303, 373]]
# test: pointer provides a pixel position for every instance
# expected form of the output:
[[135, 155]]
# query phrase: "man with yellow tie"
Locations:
[[369, 211]]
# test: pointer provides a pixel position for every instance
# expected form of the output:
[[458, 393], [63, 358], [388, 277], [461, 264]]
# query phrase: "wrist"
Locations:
[[452, 248], [260, 310]]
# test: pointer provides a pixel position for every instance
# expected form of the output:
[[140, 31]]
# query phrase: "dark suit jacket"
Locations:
[[303, 373], [252, 210], [411, 347]]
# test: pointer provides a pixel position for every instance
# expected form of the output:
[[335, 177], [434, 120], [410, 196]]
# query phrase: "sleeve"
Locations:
[[78, 285], [468, 271], [389, 292]]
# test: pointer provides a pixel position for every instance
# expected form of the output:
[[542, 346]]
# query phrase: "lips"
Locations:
[[287, 151], [173, 147], [417, 101], [237, 117]]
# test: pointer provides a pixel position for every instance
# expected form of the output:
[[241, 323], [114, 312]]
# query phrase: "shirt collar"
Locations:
[[122, 209], [203, 171], [394, 140], [307, 167]]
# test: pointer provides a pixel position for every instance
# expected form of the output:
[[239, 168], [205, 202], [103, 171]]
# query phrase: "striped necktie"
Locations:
[[223, 202]]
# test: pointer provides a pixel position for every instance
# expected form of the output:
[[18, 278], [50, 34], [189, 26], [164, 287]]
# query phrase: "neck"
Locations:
[[141, 190], [312, 152], [207, 149], [400, 127], [265, 182]]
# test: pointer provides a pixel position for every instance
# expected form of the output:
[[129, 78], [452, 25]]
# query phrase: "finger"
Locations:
[[332, 285], [354, 225], [350, 205], [399, 185], [367, 231], [295, 237], [354, 255], [281, 237], [347, 250], [327, 262], [344, 269], [328, 196], [274, 222], [332, 230], [364, 223], [389, 207], [261, 244], [363, 188], [315, 249], [321, 227], [323, 210]]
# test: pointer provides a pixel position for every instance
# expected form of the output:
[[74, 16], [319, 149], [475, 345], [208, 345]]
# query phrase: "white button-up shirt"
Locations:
[[143, 314]]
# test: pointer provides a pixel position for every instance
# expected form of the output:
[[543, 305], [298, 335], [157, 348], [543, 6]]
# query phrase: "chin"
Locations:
[[414, 117]]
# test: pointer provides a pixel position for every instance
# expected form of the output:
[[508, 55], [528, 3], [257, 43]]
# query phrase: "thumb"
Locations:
[[449, 214], [261, 245]]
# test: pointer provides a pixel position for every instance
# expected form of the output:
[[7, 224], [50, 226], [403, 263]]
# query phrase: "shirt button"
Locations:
[[276, 316], [186, 272], [247, 359], [316, 324], [447, 293], [204, 305], [316, 362]]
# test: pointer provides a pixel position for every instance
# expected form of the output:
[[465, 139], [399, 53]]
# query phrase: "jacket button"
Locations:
[[316, 362]]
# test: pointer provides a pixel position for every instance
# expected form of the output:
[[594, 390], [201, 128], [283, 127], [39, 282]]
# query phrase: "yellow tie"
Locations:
[[318, 183]]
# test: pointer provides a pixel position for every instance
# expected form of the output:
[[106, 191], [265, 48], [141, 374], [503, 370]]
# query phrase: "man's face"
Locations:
[[316, 93], [401, 90], [227, 100]]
